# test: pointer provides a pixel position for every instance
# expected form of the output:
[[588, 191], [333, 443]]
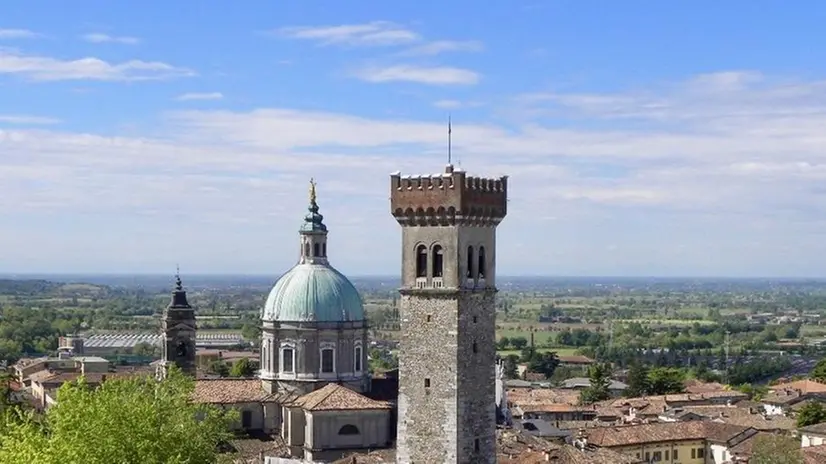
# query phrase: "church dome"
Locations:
[[313, 293]]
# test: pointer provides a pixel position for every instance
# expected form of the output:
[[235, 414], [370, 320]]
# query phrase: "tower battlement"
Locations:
[[447, 198]]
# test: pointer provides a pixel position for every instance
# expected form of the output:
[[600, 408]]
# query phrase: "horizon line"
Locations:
[[390, 276]]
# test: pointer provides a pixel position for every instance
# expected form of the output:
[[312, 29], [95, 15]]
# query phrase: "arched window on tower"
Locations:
[[324, 250], [438, 261], [421, 261], [469, 273], [482, 269], [316, 249]]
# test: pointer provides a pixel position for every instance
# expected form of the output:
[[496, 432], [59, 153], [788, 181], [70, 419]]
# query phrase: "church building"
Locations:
[[314, 383], [314, 389]]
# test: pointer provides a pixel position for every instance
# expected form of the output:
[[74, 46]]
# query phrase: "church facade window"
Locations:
[[348, 429], [287, 359], [328, 360], [357, 353]]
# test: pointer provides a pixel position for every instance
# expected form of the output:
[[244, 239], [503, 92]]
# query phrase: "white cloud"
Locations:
[[27, 120], [690, 163], [17, 34], [455, 104], [105, 38], [443, 46], [434, 75], [42, 68], [200, 96], [376, 33]]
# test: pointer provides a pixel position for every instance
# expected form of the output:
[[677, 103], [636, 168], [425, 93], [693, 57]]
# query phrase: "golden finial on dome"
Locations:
[[312, 191]]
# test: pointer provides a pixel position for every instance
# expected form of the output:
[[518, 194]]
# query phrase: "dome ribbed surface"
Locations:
[[313, 293]]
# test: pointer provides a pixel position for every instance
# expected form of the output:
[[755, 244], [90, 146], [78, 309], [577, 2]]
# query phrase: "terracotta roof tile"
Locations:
[[814, 454], [819, 429], [804, 386], [334, 397], [662, 432], [229, 391]]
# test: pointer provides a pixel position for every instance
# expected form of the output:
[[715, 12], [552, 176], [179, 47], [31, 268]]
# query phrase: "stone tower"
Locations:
[[446, 405], [178, 328]]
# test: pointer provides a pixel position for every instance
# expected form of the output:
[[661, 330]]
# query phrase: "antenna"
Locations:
[[449, 141]]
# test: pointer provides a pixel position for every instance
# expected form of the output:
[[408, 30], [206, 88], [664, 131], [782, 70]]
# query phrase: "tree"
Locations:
[[145, 349], [665, 380], [242, 368], [136, 420], [511, 368], [638, 383], [219, 368], [518, 342], [503, 343], [543, 363], [810, 414], [819, 371], [776, 449], [599, 376]]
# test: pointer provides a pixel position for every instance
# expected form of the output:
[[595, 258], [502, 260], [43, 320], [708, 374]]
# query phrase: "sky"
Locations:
[[642, 138]]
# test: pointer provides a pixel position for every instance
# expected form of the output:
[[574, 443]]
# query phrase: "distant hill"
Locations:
[[40, 287]]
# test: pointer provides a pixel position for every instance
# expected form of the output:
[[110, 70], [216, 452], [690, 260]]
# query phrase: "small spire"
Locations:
[[312, 192], [449, 141], [179, 300], [179, 287], [313, 221]]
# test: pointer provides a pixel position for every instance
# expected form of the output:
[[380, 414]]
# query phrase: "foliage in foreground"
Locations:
[[125, 421]]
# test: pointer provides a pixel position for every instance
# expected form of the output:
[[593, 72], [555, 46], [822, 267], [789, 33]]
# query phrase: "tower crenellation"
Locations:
[[446, 409]]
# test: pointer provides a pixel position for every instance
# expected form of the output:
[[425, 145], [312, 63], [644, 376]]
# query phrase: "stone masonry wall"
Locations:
[[441, 423]]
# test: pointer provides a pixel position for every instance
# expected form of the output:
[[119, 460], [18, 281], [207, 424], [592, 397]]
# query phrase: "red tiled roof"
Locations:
[[814, 454], [805, 386], [662, 432], [229, 391], [334, 397]]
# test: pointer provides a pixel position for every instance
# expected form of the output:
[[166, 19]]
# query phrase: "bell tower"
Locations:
[[447, 352], [179, 329]]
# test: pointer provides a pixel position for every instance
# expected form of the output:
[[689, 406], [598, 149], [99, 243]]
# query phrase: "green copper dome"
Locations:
[[313, 293]]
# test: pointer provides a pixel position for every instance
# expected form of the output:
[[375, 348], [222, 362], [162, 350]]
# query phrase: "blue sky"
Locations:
[[642, 137]]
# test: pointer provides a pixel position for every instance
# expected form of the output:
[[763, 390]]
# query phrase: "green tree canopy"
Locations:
[[125, 421], [242, 368], [544, 363], [665, 380], [810, 414], [638, 384], [819, 371], [600, 377]]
